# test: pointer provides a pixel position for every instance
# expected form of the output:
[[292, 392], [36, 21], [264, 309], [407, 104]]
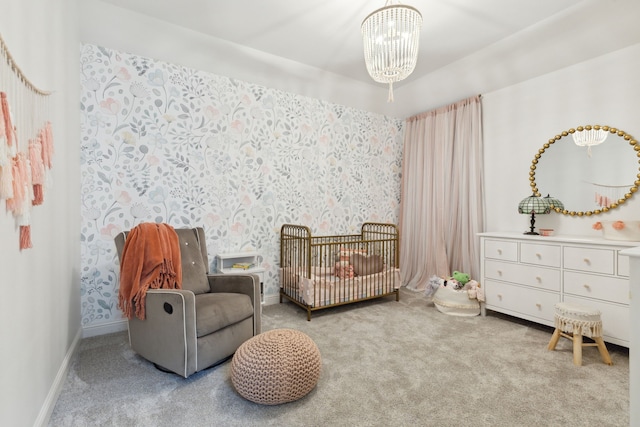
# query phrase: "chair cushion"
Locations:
[[217, 310], [194, 268]]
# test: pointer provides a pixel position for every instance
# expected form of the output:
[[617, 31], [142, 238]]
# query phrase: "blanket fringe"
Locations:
[[586, 328]]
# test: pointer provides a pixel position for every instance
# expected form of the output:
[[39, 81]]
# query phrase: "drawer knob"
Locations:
[[539, 305], [499, 272], [587, 261], [587, 287], [539, 256], [499, 251], [539, 279], [500, 297]]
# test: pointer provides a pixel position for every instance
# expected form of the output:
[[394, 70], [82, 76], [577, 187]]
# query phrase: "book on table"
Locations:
[[243, 265]]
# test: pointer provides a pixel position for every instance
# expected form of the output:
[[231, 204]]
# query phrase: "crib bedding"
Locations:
[[327, 289]]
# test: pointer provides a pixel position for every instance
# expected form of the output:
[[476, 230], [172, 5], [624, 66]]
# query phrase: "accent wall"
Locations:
[[166, 143]]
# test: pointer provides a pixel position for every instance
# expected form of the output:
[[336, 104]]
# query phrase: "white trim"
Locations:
[[105, 328], [54, 392], [271, 299]]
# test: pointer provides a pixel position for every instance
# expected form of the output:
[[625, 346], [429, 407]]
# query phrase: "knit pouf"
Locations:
[[275, 367]]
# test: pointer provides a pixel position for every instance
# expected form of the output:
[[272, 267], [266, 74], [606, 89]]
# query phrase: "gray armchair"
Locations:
[[202, 324]]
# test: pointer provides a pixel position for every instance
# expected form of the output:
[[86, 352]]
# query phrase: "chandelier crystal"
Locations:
[[390, 36]]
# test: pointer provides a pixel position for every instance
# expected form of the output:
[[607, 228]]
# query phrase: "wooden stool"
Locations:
[[574, 321]]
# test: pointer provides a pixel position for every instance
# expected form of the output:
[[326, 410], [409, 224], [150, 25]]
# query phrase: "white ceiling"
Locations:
[[326, 33]]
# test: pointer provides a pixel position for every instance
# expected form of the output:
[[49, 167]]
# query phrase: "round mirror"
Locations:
[[590, 169]]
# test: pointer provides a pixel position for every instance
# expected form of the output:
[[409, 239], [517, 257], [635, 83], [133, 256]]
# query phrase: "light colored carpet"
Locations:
[[384, 363]]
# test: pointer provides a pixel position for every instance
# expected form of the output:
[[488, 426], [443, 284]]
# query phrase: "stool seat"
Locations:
[[574, 321]]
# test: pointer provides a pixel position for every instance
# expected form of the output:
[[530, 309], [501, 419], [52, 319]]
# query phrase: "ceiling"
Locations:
[[325, 34]]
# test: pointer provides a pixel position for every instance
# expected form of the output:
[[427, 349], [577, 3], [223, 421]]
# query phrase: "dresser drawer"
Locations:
[[589, 259], [616, 324], [521, 301], [623, 265], [612, 289], [501, 249], [543, 278], [547, 255]]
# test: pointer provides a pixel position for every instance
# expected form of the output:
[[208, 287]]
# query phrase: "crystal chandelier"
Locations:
[[390, 36], [589, 136]]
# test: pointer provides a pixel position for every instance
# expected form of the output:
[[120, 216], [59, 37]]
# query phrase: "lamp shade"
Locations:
[[534, 205], [554, 203]]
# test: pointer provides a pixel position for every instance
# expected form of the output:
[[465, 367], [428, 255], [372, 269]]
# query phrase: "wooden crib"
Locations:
[[318, 272]]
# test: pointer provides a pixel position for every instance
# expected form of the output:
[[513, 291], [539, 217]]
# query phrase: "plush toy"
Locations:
[[434, 283], [462, 278]]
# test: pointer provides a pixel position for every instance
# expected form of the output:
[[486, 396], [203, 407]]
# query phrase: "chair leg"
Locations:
[[554, 339], [604, 353], [577, 349]]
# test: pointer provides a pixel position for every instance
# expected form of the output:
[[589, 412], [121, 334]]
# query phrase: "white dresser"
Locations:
[[524, 276]]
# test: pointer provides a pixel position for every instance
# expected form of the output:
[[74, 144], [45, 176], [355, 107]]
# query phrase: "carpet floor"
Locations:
[[384, 363]]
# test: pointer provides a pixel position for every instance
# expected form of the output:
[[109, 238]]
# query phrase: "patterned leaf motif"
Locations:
[[195, 149]]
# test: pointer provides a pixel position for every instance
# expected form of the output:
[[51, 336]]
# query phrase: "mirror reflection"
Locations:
[[589, 178]]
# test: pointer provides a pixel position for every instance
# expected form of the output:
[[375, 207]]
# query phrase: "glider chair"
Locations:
[[190, 329]]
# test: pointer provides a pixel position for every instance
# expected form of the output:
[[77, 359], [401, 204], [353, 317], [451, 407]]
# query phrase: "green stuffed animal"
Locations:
[[462, 278]]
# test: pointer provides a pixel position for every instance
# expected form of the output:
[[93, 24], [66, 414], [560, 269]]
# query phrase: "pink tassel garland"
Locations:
[[6, 181], [20, 184], [37, 170], [46, 135], [35, 158], [6, 115], [25, 237], [38, 195], [3, 129]]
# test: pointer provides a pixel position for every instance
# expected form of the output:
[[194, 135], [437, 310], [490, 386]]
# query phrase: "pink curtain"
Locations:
[[442, 207]]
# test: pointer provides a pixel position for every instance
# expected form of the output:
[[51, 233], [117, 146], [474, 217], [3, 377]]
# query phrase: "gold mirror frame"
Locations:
[[618, 132]]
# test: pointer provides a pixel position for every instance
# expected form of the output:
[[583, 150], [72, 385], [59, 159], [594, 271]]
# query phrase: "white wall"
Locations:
[[519, 119], [39, 309]]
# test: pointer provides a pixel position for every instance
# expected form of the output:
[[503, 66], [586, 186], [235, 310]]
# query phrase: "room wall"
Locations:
[[143, 35], [167, 143], [519, 119], [40, 307]]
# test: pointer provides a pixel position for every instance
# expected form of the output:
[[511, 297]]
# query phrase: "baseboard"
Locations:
[[104, 328], [271, 299], [58, 384]]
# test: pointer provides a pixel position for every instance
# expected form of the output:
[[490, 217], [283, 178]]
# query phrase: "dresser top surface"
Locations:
[[560, 239]]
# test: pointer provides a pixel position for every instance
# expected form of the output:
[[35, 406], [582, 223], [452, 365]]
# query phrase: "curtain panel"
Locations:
[[442, 208]]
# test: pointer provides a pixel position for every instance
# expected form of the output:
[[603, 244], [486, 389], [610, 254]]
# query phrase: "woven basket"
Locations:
[[455, 303]]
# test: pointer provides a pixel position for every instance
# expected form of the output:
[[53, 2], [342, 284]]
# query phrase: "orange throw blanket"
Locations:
[[150, 259]]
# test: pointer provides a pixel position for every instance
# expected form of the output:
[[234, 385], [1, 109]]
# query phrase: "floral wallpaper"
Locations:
[[165, 143]]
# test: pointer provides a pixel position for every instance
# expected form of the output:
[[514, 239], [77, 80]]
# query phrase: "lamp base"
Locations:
[[533, 223]]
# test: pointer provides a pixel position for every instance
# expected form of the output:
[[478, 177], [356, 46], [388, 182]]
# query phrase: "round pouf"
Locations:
[[275, 367]]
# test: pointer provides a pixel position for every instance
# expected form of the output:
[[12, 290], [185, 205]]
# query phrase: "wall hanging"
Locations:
[[26, 143]]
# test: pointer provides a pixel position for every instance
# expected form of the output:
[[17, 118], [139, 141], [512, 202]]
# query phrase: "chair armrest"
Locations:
[[167, 335], [248, 284]]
